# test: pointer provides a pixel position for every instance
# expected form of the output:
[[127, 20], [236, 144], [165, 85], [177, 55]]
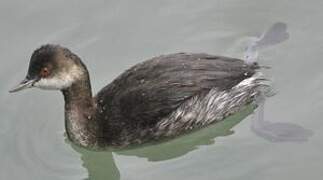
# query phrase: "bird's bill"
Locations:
[[25, 84]]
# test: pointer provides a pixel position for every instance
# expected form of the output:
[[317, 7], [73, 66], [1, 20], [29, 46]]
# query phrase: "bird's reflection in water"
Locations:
[[101, 165]]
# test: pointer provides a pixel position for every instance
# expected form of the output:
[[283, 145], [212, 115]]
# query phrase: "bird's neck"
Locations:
[[81, 123]]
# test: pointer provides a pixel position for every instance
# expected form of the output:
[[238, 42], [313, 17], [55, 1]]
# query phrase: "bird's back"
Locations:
[[139, 99]]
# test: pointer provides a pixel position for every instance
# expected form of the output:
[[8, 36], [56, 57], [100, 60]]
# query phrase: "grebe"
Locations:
[[159, 98]]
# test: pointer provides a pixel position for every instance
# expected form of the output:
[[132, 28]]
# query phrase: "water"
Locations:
[[110, 36]]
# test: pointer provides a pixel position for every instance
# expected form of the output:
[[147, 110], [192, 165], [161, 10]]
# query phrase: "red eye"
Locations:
[[44, 72]]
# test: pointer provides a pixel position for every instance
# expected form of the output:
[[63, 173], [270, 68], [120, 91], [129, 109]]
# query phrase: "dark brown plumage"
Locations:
[[149, 91]]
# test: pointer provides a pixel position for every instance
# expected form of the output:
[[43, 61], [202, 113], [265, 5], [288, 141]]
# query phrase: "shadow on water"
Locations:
[[273, 131], [101, 165], [274, 35], [277, 131]]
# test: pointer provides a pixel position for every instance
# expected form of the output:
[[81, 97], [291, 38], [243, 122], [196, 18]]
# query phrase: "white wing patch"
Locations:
[[202, 110]]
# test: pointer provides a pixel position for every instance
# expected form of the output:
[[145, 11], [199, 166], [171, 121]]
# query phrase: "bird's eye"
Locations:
[[44, 72]]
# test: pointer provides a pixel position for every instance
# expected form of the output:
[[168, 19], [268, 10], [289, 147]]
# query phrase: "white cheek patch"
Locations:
[[60, 81], [54, 83]]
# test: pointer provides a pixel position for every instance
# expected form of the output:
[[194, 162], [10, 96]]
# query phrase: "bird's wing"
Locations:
[[151, 90]]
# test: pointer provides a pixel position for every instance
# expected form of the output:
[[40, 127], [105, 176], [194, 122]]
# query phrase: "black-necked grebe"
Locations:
[[161, 97]]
